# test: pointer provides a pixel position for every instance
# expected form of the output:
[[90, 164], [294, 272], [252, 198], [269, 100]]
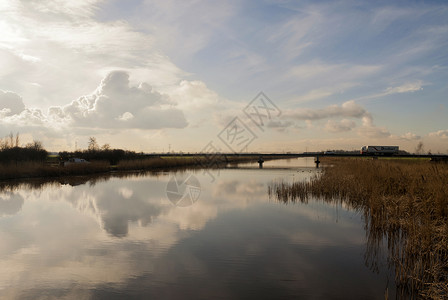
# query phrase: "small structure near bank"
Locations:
[[75, 160]]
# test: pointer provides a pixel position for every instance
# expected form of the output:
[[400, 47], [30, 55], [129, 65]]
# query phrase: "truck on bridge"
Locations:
[[379, 150]]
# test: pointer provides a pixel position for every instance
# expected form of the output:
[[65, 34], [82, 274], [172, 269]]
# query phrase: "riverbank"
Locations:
[[22, 170], [403, 202]]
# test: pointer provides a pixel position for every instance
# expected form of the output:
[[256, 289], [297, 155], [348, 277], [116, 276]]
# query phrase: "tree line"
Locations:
[[101, 153], [11, 151]]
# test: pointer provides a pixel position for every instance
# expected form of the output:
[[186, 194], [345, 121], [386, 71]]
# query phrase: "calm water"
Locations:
[[123, 238]]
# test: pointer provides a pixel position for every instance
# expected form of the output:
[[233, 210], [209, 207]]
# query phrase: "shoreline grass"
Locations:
[[29, 169], [403, 202], [21, 170]]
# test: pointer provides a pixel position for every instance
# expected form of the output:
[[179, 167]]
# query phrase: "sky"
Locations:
[[256, 76]]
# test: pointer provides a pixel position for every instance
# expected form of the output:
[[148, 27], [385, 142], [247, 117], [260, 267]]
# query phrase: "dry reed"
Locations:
[[37, 169], [28, 169], [404, 202]]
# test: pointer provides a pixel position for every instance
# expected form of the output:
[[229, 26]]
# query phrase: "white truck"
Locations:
[[379, 150]]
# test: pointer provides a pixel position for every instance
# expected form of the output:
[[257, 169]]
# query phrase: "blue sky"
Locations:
[[158, 75]]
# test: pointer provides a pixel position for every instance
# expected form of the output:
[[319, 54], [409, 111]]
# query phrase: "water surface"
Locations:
[[123, 238]]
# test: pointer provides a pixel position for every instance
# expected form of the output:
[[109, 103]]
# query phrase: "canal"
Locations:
[[191, 234]]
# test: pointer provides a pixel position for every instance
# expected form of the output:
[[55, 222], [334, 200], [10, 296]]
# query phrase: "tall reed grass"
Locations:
[[30, 169], [37, 169], [404, 202]]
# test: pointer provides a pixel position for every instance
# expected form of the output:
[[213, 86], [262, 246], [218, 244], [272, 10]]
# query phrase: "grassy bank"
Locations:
[[405, 202], [37, 169], [30, 169]]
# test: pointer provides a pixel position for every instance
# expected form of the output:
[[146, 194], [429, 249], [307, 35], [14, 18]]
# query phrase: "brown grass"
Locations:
[[36, 169], [404, 202]]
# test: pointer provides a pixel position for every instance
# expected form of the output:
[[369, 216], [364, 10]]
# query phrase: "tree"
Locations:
[[420, 148], [3, 144], [93, 145], [17, 139], [11, 140], [35, 145]]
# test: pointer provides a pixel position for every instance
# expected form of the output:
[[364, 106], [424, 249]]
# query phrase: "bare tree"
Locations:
[[11, 140], [93, 145], [36, 145], [420, 148], [17, 139]]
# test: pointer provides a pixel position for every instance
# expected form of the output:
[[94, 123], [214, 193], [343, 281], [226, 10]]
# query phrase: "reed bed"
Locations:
[[37, 169], [30, 169], [403, 202]]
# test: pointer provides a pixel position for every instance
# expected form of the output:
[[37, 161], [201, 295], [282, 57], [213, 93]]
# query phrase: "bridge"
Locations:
[[316, 155]]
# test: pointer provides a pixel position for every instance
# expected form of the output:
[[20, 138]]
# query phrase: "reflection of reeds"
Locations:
[[90, 179], [215, 161], [404, 202], [158, 163]]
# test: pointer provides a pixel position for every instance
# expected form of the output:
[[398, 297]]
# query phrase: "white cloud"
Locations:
[[409, 136], [327, 73], [341, 126], [347, 109], [126, 116], [373, 132], [28, 117], [10, 103], [405, 88], [440, 134], [194, 95], [116, 104], [314, 95], [53, 51], [281, 125], [203, 106], [369, 130], [82, 8]]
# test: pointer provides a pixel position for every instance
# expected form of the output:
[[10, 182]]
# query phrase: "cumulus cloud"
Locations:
[[15, 116], [341, 126], [194, 94], [409, 136], [368, 129], [440, 134], [281, 126], [347, 109], [202, 105], [116, 104], [10, 104]]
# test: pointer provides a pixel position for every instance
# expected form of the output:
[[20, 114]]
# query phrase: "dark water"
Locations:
[[122, 238]]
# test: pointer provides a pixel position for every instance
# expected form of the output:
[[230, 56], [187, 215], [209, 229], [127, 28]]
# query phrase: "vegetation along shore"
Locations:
[[403, 203], [33, 161]]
